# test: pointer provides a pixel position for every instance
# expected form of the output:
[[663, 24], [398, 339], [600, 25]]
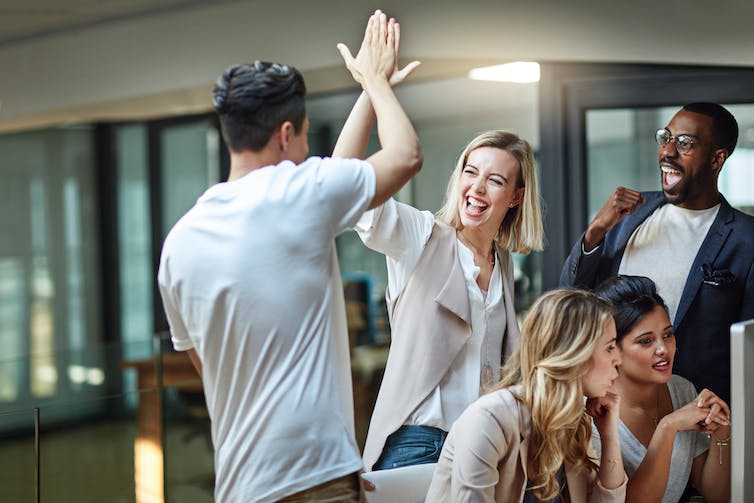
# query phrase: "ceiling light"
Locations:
[[522, 72]]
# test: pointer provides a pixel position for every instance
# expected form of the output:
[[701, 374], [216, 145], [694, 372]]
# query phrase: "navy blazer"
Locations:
[[719, 289]]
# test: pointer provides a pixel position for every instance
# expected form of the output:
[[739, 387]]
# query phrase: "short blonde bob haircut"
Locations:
[[521, 228], [559, 335]]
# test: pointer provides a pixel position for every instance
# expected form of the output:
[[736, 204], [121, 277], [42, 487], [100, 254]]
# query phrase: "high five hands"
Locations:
[[378, 55]]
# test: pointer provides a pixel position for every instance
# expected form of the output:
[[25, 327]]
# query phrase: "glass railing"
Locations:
[[116, 423]]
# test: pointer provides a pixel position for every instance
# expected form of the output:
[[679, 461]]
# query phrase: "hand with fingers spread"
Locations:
[[375, 67], [377, 55], [621, 202]]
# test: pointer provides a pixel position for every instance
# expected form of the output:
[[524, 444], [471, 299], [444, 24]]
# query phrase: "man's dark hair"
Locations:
[[254, 99], [724, 125], [632, 297]]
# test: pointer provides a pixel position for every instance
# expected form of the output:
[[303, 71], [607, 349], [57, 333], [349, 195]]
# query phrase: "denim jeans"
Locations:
[[411, 445]]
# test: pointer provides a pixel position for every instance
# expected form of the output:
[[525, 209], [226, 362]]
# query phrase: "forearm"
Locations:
[[400, 157], [715, 477], [611, 473], [396, 133], [593, 236], [650, 480], [354, 137]]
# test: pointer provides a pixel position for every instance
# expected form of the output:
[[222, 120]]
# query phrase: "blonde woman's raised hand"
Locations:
[[377, 55]]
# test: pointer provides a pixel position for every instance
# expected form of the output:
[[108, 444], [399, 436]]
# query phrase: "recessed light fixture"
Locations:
[[521, 72]]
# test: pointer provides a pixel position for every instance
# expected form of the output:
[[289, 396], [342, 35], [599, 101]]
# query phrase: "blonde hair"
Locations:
[[521, 228], [559, 335]]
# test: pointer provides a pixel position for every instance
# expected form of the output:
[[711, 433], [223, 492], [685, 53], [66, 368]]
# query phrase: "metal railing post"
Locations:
[[37, 474]]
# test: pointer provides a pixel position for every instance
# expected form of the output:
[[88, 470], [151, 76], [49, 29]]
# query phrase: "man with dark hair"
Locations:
[[687, 238], [252, 100], [251, 286]]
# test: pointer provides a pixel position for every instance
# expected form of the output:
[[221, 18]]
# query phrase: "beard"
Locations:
[[678, 198]]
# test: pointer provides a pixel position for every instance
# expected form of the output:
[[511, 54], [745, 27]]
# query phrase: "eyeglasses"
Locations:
[[683, 142]]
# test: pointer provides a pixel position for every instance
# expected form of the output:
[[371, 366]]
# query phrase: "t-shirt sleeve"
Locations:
[[346, 188], [178, 332]]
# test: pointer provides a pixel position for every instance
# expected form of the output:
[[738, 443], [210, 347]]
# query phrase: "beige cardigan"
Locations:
[[484, 458], [430, 323]]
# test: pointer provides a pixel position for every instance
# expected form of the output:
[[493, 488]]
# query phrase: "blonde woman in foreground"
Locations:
[[530, 439]]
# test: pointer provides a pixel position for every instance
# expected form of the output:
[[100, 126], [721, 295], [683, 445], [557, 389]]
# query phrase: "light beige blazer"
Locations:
[[484, 458], [430, 322]]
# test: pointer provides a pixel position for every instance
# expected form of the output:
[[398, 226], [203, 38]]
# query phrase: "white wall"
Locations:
[[166, 63]]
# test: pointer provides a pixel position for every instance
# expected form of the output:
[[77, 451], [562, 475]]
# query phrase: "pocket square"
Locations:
[[716, 277]]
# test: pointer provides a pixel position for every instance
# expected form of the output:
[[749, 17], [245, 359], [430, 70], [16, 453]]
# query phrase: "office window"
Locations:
[[49, 268], [134, 241]]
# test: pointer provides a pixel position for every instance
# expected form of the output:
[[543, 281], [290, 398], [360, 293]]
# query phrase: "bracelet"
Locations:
[[721, 442]]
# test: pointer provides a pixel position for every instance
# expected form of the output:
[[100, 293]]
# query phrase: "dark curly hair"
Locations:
[[632, 297], [254, 99]]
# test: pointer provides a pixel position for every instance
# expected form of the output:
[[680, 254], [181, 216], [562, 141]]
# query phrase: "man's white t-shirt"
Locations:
[[249, 278], [664, 247]]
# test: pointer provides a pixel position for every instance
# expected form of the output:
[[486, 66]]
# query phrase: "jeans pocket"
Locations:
[[414, 455], [410, 445]]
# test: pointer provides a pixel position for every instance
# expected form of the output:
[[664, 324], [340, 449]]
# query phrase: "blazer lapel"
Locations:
[[453, 298], [711, 246]]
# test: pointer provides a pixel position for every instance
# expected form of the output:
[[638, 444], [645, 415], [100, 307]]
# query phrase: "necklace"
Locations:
[[489, 257]]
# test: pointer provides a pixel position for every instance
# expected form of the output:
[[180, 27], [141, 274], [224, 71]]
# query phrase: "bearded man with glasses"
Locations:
[[687, 238]]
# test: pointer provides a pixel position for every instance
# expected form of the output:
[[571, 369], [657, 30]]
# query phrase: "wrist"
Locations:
[[722, 434], [667, 425], [593, 236], [723, 446], [374, 79]]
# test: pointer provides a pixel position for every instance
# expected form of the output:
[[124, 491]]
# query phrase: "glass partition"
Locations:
[[189, 163], [148, 443], [88, 461], [50, 290]]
